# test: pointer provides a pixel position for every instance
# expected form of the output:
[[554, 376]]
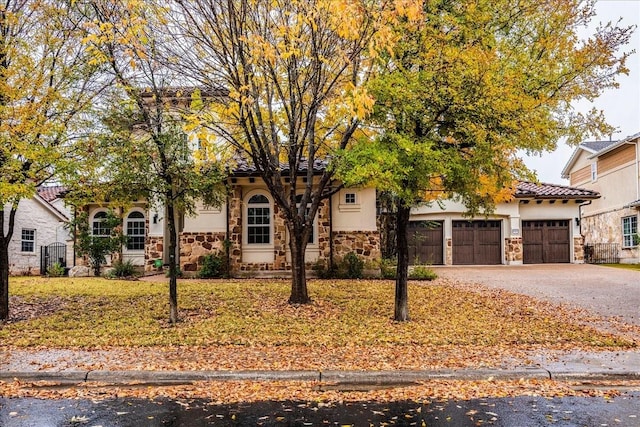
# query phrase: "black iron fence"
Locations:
[[52, 254], [602, 253]]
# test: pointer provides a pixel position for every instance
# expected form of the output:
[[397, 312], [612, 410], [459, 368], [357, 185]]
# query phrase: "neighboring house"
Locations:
[[540, 225], [612, 169], [39, 223], [251, 224]]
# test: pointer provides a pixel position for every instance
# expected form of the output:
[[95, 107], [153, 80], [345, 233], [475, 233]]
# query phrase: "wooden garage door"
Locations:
[[425, 242], [545, 241], [476, 242]]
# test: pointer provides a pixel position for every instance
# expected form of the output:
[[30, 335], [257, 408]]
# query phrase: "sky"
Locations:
[[621, 106]]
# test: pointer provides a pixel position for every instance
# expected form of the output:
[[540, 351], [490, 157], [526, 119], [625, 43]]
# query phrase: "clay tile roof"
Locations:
[[553, 191], [244, 167], [51, 193], [595, 146]]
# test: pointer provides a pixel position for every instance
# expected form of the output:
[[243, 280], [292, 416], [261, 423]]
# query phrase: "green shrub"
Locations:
[[56, 270], [388, 268], [421, 272], [322, 270], [122, 269], [212, 267], [351, 266]]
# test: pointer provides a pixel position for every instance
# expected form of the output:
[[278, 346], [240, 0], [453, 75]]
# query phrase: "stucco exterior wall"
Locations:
[[358, 216], [32, 214], [206, 219]]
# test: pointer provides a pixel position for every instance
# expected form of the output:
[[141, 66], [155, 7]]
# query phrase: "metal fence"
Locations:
[[602, 253], [54, 253]]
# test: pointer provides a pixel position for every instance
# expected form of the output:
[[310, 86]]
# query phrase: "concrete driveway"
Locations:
[[606, 291]]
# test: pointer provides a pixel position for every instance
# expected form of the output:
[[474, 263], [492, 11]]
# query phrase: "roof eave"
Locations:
[[632, 139]]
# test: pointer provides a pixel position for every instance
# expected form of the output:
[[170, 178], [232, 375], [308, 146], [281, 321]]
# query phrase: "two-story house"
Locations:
[[612, 169]]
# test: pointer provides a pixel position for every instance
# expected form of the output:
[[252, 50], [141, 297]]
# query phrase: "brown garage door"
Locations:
[[425, 242], [545, 241], [476, 242]]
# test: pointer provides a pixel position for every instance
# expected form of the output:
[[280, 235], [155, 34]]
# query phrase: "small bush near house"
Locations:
[[421, 272], [123, 269], [212, 267], [388, 268], [351, 266], [323, 271], [56, 270]]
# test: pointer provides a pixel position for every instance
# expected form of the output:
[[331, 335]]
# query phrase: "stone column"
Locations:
[[235, 229]]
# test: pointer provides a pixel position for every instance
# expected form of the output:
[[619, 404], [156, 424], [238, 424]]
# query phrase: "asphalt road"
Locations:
[[623, 410], [606, 291]]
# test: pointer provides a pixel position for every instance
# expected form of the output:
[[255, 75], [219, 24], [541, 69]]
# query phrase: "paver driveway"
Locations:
[[604, 290]]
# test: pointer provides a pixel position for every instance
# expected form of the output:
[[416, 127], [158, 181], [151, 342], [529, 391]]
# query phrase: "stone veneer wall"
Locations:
[[606, 227], [153, 250], [448, 251], [366, 244], [578, 250], [195, 246], [235, 229], [513, 250]]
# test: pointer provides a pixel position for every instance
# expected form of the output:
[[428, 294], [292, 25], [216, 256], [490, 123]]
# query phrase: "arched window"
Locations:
[[258, 220], [135, 231], [99, 225]]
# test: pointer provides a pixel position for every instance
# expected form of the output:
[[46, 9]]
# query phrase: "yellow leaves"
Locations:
[[346, 320]]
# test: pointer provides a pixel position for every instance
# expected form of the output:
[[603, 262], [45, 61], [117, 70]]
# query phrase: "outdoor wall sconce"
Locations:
[[577, 221], [155, 218]]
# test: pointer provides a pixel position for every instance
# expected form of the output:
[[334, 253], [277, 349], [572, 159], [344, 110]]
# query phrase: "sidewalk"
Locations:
[[577, 366]]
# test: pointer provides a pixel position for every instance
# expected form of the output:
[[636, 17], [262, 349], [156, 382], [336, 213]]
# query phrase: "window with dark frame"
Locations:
[[28, 243], [350, 198]]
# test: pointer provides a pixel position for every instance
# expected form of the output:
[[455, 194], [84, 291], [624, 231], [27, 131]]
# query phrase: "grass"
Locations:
[[94, 312], [635, 267]]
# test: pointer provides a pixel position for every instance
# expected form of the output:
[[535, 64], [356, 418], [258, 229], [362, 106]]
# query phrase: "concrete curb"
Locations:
[[380, 378]]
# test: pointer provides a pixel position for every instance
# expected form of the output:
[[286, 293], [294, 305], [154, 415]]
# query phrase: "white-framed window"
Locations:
[[594, 171], [28, 240], [99, 224], [350, 198], [258, 220], [135, 226], [349, 201], [629, 231]]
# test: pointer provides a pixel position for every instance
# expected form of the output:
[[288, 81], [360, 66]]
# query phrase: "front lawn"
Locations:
[[635, 267], [91, 312]]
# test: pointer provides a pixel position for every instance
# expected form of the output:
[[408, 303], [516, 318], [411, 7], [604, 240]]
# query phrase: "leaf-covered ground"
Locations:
[[87, 324], [90, 313]]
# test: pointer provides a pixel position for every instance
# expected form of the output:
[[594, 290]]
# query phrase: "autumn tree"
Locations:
[[294, 71], [468, 85], [46, 85], [143, 148]]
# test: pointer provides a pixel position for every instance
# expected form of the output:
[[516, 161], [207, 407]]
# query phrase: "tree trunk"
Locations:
[[173, 265], [299, 293], [401, 313], [4, 259], [4, 277]]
